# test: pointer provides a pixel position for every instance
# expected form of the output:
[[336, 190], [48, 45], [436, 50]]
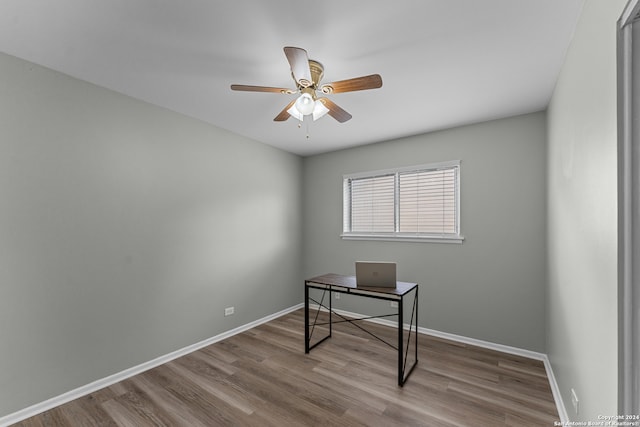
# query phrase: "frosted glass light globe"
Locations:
[[305, 104]]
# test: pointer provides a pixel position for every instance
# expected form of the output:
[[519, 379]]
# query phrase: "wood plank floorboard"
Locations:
[[262, 377]]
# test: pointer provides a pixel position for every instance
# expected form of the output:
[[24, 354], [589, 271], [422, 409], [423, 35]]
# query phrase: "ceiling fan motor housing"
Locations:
[[317, 72]]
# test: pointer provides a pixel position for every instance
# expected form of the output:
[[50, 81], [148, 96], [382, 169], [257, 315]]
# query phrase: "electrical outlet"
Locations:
[[394, 304], [337, 295], [229, 311], [575, 401]]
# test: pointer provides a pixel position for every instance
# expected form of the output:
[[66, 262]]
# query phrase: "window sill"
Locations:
[[404, 238]]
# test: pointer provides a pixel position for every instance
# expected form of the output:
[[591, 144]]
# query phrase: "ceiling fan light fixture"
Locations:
[[293, 112], [305, 104], [319, 110]]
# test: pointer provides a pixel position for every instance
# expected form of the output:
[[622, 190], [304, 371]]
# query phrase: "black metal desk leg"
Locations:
[[400, 343], [416, 334], [306, 318], [330, 311]]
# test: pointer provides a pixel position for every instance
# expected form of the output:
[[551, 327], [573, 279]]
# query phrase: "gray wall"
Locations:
[[492, 287], [582, 217], [125, 229]]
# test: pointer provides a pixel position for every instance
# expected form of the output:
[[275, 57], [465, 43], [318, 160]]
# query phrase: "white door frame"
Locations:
[[629, 209]]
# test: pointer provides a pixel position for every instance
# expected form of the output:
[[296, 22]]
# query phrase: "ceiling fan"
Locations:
[[307, 74]]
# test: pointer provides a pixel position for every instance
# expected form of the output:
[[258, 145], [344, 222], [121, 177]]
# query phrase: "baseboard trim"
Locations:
[[38, 408], [127, 373], [555, 390]]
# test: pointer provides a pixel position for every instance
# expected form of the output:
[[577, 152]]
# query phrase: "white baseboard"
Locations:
[[127, 373], [555, 390]]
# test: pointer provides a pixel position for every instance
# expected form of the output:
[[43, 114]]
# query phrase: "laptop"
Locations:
[[375, 274]]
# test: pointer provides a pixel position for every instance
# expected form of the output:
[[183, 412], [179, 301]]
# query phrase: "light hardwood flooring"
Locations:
[[262, 377]]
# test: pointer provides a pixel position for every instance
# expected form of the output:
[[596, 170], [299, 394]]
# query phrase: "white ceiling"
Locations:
[[443, 62]]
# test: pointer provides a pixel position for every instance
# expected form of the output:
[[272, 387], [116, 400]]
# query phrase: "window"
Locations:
[[418, 203]]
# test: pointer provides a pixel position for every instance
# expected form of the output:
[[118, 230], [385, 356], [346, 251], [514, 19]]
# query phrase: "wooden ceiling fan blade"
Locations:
[[335, 111], [249, 88], [374, 81], [284, 115], [299, 62]]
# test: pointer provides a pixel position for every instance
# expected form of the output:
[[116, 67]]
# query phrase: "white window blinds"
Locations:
[[373, 204], [420, 202], [427, 202]]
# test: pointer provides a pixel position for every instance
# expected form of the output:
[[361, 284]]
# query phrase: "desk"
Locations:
[[347, 284]]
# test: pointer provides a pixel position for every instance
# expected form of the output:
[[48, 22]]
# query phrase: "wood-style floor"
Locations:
[[262, 377]]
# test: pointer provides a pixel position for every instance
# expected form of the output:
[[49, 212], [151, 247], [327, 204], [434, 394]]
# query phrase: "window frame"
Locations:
[[397, 235]]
